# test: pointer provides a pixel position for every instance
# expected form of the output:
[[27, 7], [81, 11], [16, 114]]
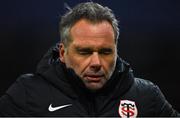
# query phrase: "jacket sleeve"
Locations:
[[13, 102], [163, 108]]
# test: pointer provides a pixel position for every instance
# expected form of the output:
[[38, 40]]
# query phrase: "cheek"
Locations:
[[71, 61], [78, 64], [83, 64], [109, 64]]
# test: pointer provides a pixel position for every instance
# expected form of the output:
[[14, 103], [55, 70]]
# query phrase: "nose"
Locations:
[[95, 63]]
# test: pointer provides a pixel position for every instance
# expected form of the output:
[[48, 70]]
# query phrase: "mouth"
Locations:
[[94, 78]]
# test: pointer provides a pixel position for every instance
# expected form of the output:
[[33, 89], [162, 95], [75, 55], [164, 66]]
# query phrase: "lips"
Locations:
[[94, 78]]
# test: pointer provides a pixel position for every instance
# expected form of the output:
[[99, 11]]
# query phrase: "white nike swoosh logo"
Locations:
[[51, 109]]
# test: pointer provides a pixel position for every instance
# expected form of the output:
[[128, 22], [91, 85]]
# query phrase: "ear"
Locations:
[[62, 52]]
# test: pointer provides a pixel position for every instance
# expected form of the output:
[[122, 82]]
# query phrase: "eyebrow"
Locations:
[[105, 50], [88, 49]]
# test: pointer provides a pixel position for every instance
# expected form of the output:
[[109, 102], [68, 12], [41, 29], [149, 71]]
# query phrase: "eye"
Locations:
[[85, 51], [105, 51]]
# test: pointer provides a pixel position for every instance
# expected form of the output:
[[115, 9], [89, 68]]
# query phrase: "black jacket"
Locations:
[[55, 90]]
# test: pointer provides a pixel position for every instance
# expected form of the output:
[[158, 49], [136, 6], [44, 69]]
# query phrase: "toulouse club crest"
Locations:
[[127, 109]]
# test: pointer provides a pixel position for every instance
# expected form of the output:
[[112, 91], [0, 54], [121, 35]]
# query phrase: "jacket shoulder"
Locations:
[[36, 90], [151, 97], [31, 80], [143, 83], [143, 89], [27, 93]]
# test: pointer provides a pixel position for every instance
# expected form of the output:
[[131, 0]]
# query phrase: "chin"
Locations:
[[94, 86]]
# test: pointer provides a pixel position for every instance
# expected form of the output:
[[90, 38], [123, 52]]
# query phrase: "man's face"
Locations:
[[92, 53]]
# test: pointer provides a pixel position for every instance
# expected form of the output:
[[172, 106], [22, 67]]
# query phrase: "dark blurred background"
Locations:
[[149, 40]]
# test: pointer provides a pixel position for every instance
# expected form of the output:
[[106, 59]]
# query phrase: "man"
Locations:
[[83, 75]]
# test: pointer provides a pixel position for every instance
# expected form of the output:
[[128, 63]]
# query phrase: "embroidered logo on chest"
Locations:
[[127, 109]]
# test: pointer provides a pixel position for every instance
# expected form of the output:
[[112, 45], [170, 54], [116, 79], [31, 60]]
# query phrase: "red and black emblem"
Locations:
[[127, 109]]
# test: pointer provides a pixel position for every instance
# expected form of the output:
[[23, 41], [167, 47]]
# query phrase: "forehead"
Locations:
[[88, 32], [84, 26]]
